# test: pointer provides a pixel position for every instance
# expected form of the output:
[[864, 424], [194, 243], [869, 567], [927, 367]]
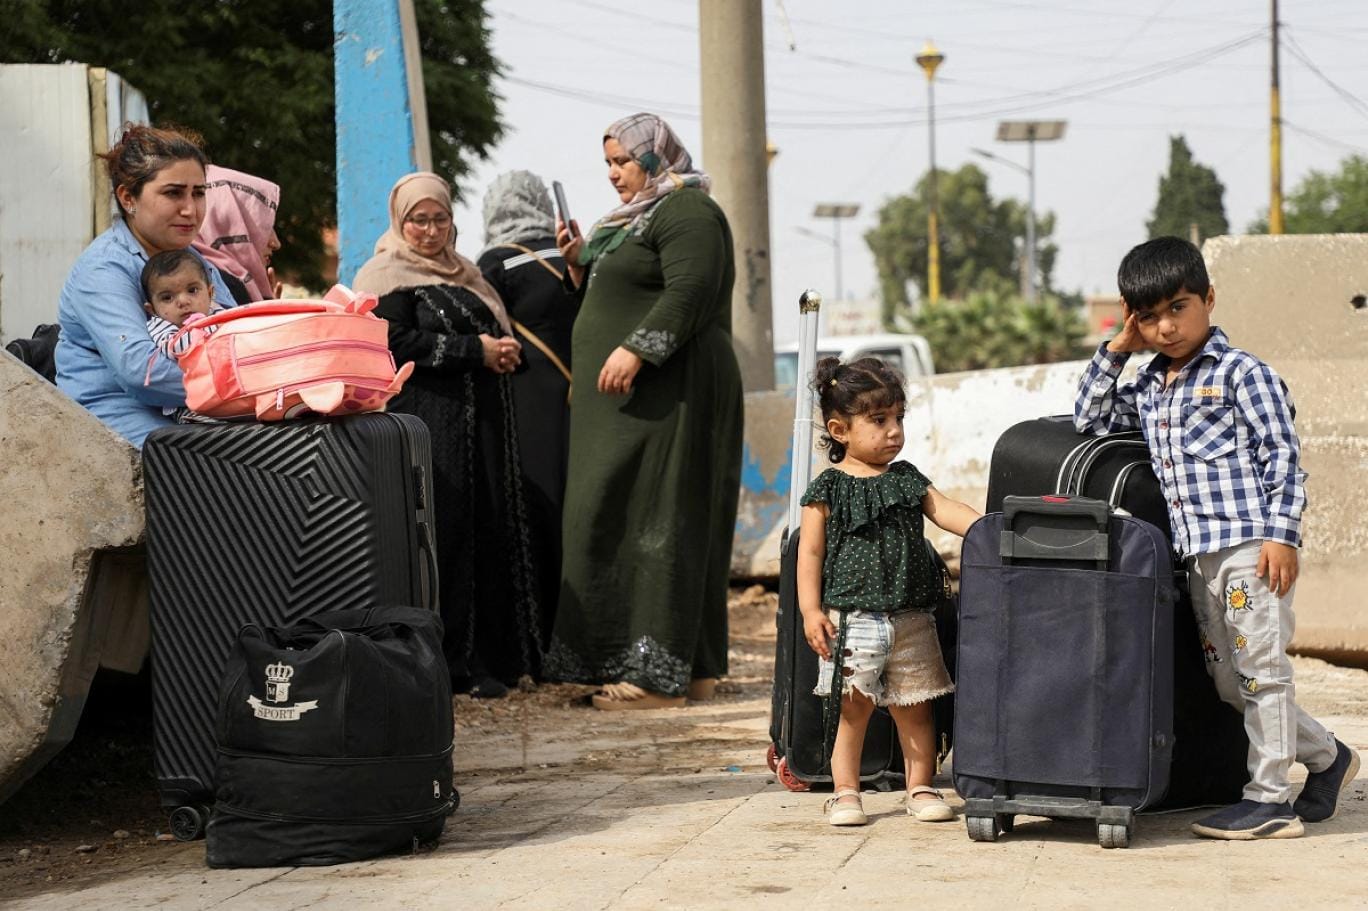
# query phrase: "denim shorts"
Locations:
[[894, 659]]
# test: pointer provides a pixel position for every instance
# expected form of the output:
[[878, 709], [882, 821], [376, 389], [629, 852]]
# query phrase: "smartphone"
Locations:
[[562, 208]]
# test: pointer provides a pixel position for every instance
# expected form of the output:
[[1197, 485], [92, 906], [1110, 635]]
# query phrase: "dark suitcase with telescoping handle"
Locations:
[[269, 524], [797, 752], [1065, 703], [1047, 456], [334, 740]]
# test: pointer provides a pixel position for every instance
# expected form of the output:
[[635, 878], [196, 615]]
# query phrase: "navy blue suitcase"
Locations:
[[1047, 456], [1065, 666]]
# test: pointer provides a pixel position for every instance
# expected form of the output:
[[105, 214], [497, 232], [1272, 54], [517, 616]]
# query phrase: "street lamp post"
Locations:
[[836, 211], [1030, 132], [1028, 274], [928, 60]]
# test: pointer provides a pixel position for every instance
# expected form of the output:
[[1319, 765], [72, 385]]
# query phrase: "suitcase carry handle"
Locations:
[[1098, 510], [1064, 543]]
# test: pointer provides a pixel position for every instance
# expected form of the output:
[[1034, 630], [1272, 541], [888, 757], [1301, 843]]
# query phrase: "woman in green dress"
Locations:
[[655, 433]]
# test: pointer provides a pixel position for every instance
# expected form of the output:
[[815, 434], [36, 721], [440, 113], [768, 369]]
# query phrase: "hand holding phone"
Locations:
[[563, 209]]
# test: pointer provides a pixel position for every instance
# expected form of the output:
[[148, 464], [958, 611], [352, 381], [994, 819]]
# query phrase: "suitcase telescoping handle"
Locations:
[[809, 309], [1086, 540]]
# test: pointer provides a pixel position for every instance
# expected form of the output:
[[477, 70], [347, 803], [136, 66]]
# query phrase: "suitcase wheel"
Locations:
[[187, 823], [982, 828], [787, 778], [772, 758], [1113, 835], [455, 802]]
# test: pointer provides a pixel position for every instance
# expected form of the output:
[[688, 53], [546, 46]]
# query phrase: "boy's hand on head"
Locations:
[[819, 632], [1277, 563], [1129, 338]]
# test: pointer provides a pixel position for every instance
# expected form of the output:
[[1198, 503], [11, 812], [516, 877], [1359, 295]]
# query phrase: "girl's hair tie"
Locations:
[[833, 381]]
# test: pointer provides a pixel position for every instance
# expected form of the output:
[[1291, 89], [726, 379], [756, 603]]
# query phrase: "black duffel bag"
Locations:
[[334, 740]]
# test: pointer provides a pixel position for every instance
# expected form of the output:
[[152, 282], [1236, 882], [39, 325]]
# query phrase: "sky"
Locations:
[[846, 107]]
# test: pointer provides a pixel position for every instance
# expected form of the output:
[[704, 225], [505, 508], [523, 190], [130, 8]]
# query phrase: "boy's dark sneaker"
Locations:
[[1319, 798], [1250, 819]]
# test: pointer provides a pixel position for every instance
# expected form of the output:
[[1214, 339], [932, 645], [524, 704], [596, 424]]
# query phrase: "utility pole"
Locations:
[[1275, 200], [732, 54]]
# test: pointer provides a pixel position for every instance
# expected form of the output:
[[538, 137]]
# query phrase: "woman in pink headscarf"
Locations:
[[238, 235]]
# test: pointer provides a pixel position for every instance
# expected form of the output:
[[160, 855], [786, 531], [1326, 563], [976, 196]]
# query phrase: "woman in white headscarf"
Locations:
[[522, 263], [655, 434], [447, 319]]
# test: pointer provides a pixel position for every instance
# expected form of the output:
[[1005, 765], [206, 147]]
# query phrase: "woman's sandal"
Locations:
[[932, 808], [846, 814], [617, 697]]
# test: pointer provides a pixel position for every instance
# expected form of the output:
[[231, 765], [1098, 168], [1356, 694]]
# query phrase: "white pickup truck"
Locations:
[[909, 354]]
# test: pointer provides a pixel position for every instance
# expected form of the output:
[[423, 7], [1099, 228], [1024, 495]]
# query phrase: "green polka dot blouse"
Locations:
[[875, 559]]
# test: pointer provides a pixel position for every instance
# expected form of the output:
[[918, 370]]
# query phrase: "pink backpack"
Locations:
[[282, 359]]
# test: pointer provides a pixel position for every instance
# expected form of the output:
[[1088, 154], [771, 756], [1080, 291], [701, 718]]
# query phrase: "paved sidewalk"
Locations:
[[572, 808]]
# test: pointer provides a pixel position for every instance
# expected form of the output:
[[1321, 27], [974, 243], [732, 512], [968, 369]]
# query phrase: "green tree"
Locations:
[[995, 329], [255, 78], [981, 241], [1190, 193], [1327, 203]]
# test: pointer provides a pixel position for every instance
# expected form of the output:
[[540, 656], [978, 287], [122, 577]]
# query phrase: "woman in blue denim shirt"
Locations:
[[104, 353]]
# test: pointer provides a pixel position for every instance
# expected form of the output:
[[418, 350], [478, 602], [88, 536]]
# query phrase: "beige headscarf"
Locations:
[[397, 266]]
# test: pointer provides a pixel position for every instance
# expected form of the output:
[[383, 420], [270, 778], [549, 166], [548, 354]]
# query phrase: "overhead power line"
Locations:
[[1355, 102], [1322, 138], [964, 111]]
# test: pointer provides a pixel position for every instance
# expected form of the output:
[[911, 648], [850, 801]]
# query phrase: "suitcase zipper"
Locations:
[[334, 760], [430, 813]]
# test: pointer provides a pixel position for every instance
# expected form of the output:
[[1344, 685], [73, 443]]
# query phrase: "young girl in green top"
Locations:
[[866, 585]]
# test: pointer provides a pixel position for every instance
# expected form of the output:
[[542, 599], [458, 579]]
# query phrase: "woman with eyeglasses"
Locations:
[[447, 319]]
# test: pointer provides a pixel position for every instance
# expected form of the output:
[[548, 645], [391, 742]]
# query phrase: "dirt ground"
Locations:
[[92, 813]]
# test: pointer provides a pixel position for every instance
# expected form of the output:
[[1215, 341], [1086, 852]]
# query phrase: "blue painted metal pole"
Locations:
[[376, 129]]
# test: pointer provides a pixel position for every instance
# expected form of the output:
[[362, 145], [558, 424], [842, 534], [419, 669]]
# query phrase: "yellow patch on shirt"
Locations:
[[1208, 392]]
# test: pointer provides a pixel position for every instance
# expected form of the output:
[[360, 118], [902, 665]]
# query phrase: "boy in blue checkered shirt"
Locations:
[[1218, 422]]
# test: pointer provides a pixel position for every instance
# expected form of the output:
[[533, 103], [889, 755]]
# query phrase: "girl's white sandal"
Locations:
[[846, 814], [932, 808]]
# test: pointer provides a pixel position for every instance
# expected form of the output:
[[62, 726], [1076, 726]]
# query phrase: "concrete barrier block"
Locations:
[[71, 528], [766, 471], [1289, 300]]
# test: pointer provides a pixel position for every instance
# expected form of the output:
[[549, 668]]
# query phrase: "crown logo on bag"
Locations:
[[278, 682]]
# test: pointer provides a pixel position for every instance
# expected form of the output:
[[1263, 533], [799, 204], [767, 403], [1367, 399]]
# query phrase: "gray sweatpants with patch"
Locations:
[[1245, 629]]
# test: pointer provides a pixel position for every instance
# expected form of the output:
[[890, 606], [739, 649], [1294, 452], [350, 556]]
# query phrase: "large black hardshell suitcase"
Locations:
[[1065, 666], [268, 524], [797, 753], [1047, 456]]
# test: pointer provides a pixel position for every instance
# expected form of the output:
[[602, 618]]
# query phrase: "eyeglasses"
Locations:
[[422, 222]]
